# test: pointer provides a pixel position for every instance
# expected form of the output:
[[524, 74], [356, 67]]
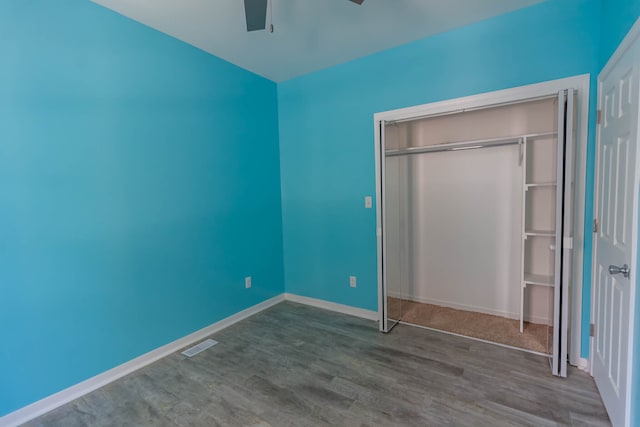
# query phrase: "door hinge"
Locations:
[[595, 225], [592, 330], [599, 117]]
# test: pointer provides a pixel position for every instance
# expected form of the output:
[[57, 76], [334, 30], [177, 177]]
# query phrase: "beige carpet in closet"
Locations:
[[497, 329]]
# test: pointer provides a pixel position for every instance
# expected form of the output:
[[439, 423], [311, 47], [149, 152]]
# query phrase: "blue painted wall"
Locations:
[[139, 177], [139, 184], [617, 18], [326, 131]]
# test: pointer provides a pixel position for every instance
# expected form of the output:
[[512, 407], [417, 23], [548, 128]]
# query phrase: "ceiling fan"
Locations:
[[256, 13]]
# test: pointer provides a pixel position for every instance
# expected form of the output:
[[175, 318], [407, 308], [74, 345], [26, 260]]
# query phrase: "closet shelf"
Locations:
[[539, 196], [542, 136], [547, 233], [540, 185], [538, 279]]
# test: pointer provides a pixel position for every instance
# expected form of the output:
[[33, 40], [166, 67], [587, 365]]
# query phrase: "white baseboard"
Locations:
[[484, 310], [340, 308], [56, 400], [583, 364], [67, 395]]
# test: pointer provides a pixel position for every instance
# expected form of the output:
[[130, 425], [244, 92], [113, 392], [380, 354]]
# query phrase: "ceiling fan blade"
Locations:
[[256, 14], [357, 1]]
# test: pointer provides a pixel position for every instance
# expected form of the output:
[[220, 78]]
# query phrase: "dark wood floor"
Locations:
[[294, 365]]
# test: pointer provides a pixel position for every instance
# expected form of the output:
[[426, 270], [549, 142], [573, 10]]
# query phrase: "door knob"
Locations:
[[614, 269]]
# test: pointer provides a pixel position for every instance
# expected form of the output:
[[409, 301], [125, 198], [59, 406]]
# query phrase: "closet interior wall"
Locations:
[[454, 219]]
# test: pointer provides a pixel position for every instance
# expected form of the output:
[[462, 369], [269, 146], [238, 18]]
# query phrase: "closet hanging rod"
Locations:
[[466, 145]]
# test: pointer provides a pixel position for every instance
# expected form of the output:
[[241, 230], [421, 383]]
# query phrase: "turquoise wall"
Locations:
[[139, 184], [617, 18], [140, 177], [326, 132]]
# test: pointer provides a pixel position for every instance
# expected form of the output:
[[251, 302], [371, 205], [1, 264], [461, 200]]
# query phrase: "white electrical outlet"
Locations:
[[368, 202], [352, 281], [247, 282]]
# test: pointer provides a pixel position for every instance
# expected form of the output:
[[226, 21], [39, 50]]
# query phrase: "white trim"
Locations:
[[482, 100], [379, 256], [506, 96], [594, 241], [474, 339], [627, 43], [473, 308], [327, 305], [583, 364], [49, 403], [67, 395], [591, 343]]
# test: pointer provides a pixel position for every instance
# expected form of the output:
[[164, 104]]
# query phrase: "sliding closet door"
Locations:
[[564, 238], [392, 188]]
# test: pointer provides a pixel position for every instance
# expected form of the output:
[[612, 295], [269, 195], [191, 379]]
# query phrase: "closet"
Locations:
[[476, 221]]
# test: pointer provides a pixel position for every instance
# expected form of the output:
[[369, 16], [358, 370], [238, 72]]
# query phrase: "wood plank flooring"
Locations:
[[294, 365]]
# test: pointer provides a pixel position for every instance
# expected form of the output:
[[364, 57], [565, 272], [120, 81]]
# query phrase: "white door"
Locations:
[[615, 243]]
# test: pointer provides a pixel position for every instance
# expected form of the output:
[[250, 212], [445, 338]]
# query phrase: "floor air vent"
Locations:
[[199, 347]]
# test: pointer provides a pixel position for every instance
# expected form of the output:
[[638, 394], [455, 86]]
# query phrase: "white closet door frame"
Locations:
[[501, 97], [382, 303], [557, 273]]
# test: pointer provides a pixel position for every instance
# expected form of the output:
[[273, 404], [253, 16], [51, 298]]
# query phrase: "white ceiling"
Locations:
[[309, 34]]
